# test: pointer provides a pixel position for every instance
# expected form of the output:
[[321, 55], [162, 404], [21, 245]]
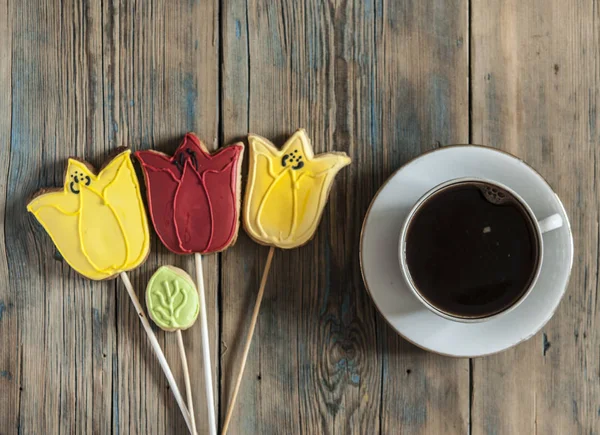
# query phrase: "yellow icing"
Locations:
[[285, 196], [97, 222]]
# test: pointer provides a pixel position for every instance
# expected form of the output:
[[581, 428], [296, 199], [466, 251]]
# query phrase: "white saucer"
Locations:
[[381, 270]]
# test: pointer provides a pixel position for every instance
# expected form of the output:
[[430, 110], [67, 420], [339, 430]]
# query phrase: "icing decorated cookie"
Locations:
[[172, 299], [193, 196], [97, 221], [287, 190]]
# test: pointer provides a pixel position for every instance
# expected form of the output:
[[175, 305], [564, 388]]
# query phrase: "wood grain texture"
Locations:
[[9, 332], [423, 93], [161, 81], [55, 53], [382, 81], [86, 78], [535, 71], [313, 365]]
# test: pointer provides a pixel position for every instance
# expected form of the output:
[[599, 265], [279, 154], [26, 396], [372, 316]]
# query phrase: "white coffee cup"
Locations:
[[541, 227]]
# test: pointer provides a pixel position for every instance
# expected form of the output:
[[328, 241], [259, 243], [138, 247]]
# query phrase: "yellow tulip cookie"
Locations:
[[97, 221], [287, 190]]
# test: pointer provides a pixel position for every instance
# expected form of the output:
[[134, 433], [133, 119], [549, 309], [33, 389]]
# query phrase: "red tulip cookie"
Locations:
[[194, 203], [193, 197]]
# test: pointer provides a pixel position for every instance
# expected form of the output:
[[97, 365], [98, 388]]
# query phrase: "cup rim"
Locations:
[[402, 250]]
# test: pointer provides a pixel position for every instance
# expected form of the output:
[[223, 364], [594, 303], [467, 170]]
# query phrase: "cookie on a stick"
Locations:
[[172, 301], [98, 223], [286, 192], [194, 201]]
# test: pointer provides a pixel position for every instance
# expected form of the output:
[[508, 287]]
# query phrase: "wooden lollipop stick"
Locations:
[[186, 377], [158, 351], [208, 385], [238, 382]]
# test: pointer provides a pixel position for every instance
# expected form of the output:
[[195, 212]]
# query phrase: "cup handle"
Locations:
[[550, 223]]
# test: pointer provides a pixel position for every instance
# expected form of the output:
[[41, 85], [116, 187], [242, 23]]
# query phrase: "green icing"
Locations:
[[172, 299]]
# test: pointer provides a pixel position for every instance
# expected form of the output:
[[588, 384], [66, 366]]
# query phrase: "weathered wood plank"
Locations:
[[83, 81], [9, 332], [161, 81], [382, 80], [55, 56], [536, 71], [347, 72], [422, 89], [312, 366]]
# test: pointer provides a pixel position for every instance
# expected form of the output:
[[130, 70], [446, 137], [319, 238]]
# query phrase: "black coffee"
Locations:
[[472, 249]]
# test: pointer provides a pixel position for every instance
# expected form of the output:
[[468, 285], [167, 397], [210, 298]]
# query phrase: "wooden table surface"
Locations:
[[384, 81]]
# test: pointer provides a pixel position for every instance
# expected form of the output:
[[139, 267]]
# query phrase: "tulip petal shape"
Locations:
[[287, 190], [193, 196], [97, 222]]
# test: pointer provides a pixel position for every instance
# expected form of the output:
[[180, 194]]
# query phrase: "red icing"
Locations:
[[193, 196]]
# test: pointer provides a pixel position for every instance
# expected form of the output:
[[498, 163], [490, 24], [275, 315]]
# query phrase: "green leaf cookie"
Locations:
[[172, 299]]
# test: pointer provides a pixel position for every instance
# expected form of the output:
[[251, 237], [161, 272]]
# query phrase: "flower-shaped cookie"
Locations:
[[193, 196], [287, 190], [97, 222]]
